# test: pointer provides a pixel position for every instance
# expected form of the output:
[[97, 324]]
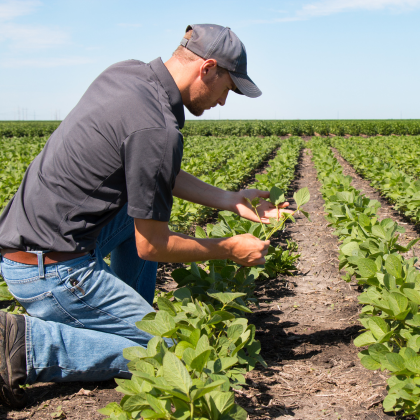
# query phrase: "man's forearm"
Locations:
[[190, 188], [155, 242], [177, 248]]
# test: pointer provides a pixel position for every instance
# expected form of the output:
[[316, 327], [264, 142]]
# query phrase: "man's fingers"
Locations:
[[283, 205], [263, 194], [260, 261]]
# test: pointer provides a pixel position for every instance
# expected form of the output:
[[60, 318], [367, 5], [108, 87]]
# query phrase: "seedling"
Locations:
[[277, 198], [301, 197]]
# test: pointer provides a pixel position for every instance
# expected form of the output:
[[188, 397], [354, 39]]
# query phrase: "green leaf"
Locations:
[[413, 364], [235, 331], [389, 402], [225, 297], [200, 361], [393, 266], [136, 403], [379, 231], [181, 346], [302, 196], [224, 363], [223, 400], [156, 404], [364, 339], [306, 214], [235, 413], [277, 196], [348, 249], [200, 233], [378, 326], [166, 305], [162, 325], [367, 267], [182, 293], [395, 361], [238, 306], [199, 392], [370, 363], [413, 295], [111, 408], [397, 303], [195, 270], [225, 315], [175, 373], [131, 353]]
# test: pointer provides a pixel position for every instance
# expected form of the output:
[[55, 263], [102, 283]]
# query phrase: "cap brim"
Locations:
[[244, 85]]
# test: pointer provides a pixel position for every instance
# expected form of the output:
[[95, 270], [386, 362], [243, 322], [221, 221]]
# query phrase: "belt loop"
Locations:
[[41, 270], [40, 257]]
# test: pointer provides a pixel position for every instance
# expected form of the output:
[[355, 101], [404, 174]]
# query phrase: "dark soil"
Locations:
[[306, 325]]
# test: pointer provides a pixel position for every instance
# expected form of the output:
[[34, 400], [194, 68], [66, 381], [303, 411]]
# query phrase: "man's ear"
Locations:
[[208, 68]]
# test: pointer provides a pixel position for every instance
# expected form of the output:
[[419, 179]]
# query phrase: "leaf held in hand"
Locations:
[[277, 196]]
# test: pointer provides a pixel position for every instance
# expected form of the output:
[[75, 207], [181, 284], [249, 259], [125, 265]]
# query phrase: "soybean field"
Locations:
[[328, 328]]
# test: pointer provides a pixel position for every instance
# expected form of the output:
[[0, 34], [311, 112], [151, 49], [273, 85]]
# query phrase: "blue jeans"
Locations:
[[83, 312]]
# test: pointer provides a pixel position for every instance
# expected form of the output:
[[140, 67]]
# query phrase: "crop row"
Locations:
[[370, 253], [403, 153], [249, 128], [203, 345], [401, 189], [302, 128], [203, 155]]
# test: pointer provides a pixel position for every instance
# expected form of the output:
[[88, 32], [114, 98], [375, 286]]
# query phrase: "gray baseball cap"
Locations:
[[221, 44]]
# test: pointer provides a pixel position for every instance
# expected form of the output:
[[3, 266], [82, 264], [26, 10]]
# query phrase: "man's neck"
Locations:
[[183, 75]]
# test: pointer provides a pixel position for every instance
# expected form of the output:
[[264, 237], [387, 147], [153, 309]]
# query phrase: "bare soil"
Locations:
[[306, 325]]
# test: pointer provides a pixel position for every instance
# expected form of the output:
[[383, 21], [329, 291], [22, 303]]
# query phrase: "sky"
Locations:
[[312, 59]]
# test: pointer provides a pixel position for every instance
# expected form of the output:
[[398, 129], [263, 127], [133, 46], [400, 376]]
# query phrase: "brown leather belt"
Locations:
[[32, 259]]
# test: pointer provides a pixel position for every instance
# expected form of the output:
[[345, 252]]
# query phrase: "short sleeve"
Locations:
[[152, 161]]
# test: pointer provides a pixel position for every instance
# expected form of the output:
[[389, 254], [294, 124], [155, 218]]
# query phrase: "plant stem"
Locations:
[[262, 224], [192, 410]]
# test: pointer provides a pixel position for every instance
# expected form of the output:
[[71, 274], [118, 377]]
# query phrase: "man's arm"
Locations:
[[155, 242], [190, 188]]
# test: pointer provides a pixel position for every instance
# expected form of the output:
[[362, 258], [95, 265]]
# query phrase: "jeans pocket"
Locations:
[[45, 306], [75, 277]]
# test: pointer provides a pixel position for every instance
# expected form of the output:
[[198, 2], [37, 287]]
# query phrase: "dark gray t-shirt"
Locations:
[[121, 143]]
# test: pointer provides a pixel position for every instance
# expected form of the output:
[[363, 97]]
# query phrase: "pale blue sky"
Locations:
[[313, 59]]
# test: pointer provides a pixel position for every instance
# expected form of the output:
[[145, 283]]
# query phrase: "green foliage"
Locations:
[[200, 350], [229, 174], [202, 345], [15, 156], [302, 128], [11, 129], [392, 164], [370, 253]]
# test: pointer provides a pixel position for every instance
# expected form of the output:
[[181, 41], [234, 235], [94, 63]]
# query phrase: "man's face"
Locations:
[[210, 93]]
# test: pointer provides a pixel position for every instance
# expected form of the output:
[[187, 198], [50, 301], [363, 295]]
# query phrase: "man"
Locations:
[[104, 184]]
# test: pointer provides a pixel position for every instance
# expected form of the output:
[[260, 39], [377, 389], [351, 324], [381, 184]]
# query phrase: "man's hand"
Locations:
[[265, 209], [247, 250]]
